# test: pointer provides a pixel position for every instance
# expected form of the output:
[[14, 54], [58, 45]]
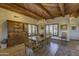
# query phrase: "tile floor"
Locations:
[[58, 48]]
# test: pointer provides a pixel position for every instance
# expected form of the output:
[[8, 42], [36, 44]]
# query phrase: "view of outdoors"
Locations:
[[52, 29]]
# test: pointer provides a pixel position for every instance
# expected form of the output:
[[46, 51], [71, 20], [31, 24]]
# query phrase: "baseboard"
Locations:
[[74, 39]]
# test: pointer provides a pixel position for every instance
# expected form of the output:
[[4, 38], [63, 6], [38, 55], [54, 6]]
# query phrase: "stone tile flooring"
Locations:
[[49, 50], [58, 48], [70, 49]]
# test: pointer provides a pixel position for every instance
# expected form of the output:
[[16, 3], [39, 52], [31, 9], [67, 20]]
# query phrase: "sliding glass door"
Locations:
[[52, 30], [32, 30]]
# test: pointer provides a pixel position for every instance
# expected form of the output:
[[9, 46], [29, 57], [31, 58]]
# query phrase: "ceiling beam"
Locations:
[[10, 7], [30, 10], [61, 7], [36, 15], [42, 7]]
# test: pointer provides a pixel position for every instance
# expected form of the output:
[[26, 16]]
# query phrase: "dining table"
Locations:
[[37, 42]]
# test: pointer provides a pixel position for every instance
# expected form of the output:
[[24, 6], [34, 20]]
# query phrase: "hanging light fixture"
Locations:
[[42, 21]]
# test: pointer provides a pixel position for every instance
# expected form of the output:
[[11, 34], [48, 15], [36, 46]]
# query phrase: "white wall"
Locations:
[[41, 23], [9, 15], [0, 32], [72, 34], [60, 21]]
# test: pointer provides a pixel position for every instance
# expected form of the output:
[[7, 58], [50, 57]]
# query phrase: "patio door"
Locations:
[[51, 30]]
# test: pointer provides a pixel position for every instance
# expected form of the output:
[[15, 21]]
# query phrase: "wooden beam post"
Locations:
[[62, 8], [42, 7]]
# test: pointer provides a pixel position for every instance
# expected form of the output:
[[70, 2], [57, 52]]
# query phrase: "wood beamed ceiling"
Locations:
[[43, 10]]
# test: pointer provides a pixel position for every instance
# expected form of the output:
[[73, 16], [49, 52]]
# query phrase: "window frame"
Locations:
[[53, 29], [32, 29]]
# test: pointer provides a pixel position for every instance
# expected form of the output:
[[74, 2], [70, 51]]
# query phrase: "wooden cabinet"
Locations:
[[16, 33], [15, 26]]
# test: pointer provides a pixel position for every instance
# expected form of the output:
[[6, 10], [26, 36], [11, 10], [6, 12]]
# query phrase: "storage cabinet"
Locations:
[[15, 26], [16, 33]]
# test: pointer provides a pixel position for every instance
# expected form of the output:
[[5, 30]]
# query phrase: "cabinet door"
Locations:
[[11, 39], [10, 26], [16, 38], [15, 26], [26, 28], [16, 34], [18, 27]]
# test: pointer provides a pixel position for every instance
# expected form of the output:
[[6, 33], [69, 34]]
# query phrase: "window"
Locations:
[[32, 29], [52, 29]]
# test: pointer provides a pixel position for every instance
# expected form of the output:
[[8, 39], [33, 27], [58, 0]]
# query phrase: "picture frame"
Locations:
[[64, 27]]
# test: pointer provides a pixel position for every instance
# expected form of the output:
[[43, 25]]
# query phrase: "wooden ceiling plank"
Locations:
[[24, 10], [61, 10], [61, 7], [42, 7], [6, 6], [30, 11]]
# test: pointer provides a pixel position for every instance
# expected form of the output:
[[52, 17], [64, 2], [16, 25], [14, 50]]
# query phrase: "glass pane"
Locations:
[[55, 29], [47, 29], [29, 29], [36, 30], [51, 29], [32, 29]]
